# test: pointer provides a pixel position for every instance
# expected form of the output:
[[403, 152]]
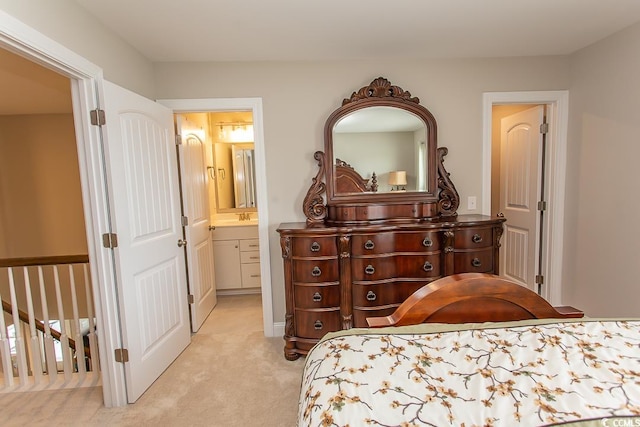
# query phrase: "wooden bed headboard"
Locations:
[[471, 298], [350, 181]]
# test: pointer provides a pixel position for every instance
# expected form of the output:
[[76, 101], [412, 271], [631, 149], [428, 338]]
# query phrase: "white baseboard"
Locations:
[[278, 329]]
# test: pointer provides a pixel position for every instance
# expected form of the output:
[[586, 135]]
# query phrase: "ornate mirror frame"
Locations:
[[361, 203]]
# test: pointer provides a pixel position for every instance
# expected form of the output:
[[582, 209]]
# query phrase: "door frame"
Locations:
[[86, 89], [557, 103], [255, 106]]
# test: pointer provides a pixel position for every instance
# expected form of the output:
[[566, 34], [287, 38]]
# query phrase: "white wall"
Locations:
[[70, 25], [602, 238], [298, 97]]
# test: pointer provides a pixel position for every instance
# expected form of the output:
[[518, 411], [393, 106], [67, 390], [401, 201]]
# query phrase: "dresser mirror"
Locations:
[[380, 162], [387, 141]]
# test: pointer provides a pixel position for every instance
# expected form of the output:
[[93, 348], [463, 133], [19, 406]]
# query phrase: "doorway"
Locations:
[[556, 104], [254, 107]]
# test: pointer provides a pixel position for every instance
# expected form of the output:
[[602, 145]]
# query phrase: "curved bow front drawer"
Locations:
[[473, 238], [427, 241], [316, 323], [480, 261], [317, 296], [315, 270], [314, 246], [370, 244]]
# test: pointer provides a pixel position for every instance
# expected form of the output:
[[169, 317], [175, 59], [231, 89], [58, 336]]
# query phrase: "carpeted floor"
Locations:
[[230, 375]]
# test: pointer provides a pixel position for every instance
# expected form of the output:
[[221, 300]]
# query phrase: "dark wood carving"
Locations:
[[313, 205], [350, 181], [448, 198], [380, 88]]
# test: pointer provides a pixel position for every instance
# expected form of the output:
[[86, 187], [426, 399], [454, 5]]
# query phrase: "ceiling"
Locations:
[[293, 30], [307, 30]]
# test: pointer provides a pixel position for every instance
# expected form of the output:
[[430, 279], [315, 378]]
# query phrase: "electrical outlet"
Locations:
[[471, 203]]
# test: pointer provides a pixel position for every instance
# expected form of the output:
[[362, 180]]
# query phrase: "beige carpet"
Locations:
[[230, 375]]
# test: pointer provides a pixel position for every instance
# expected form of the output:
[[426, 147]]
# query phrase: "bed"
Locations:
[[475, 350]]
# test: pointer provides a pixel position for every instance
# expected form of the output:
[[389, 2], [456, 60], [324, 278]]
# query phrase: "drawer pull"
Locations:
[[369, 245], [317, 297], [316, 272], [476, 262], [427, 242], [427, 266], [476, 238], [317, 325], [369, 269], [255, 275], [315, 247], [371, 296]]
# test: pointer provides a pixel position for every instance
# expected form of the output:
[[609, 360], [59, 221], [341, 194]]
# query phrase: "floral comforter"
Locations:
[[528, 373]]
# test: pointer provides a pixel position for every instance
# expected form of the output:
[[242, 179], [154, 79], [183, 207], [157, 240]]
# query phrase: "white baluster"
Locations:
[[64, 338], [35, 352], [93, 343], [82, 370], [21, 359], [49, 349], [5, 351]]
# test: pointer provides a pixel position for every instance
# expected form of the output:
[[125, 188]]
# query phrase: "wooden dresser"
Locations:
[[336, 277], [367, 246]]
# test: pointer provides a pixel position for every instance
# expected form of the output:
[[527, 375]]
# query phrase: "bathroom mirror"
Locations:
[[234, 174]]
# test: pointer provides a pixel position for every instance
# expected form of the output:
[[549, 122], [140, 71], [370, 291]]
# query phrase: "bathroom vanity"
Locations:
[[236, 254]]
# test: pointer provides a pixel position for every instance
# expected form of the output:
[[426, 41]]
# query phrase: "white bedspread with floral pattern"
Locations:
[[528, 373]]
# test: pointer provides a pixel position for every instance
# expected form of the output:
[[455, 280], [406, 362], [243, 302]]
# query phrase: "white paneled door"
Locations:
[[520, 191], [194, 152], [149, 257]]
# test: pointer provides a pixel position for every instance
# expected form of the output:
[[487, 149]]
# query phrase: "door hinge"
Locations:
[[110, 240], [185, 221], [190, 299], [539, 279], [122, 355], [97, 117], [542, 205], [544, 128], [178, 139]]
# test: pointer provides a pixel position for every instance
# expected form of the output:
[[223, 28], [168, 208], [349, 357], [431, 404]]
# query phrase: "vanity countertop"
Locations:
[[233, 222]]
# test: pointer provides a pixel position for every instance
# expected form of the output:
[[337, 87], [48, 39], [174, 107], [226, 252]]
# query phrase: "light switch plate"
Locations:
[[471, 203]]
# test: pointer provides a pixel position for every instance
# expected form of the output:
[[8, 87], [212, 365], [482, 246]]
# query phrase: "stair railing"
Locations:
[[30, 355]]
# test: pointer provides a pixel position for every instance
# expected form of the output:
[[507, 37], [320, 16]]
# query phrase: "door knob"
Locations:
[[182, 243]]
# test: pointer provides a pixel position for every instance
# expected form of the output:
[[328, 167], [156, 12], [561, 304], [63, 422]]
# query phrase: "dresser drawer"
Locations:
[[369, 244], [473, 238], [315, 270], [373, 268], [382, 294], [316, 323], [474, 261], [418, 241], [418, 266], [317, 296], [314, 246], [360, 315]]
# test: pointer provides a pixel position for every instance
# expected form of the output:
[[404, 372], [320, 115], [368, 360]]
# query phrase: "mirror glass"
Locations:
[[234, 161], [388, 141]]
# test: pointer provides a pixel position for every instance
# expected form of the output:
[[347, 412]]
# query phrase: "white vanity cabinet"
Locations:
[[236, 257]]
